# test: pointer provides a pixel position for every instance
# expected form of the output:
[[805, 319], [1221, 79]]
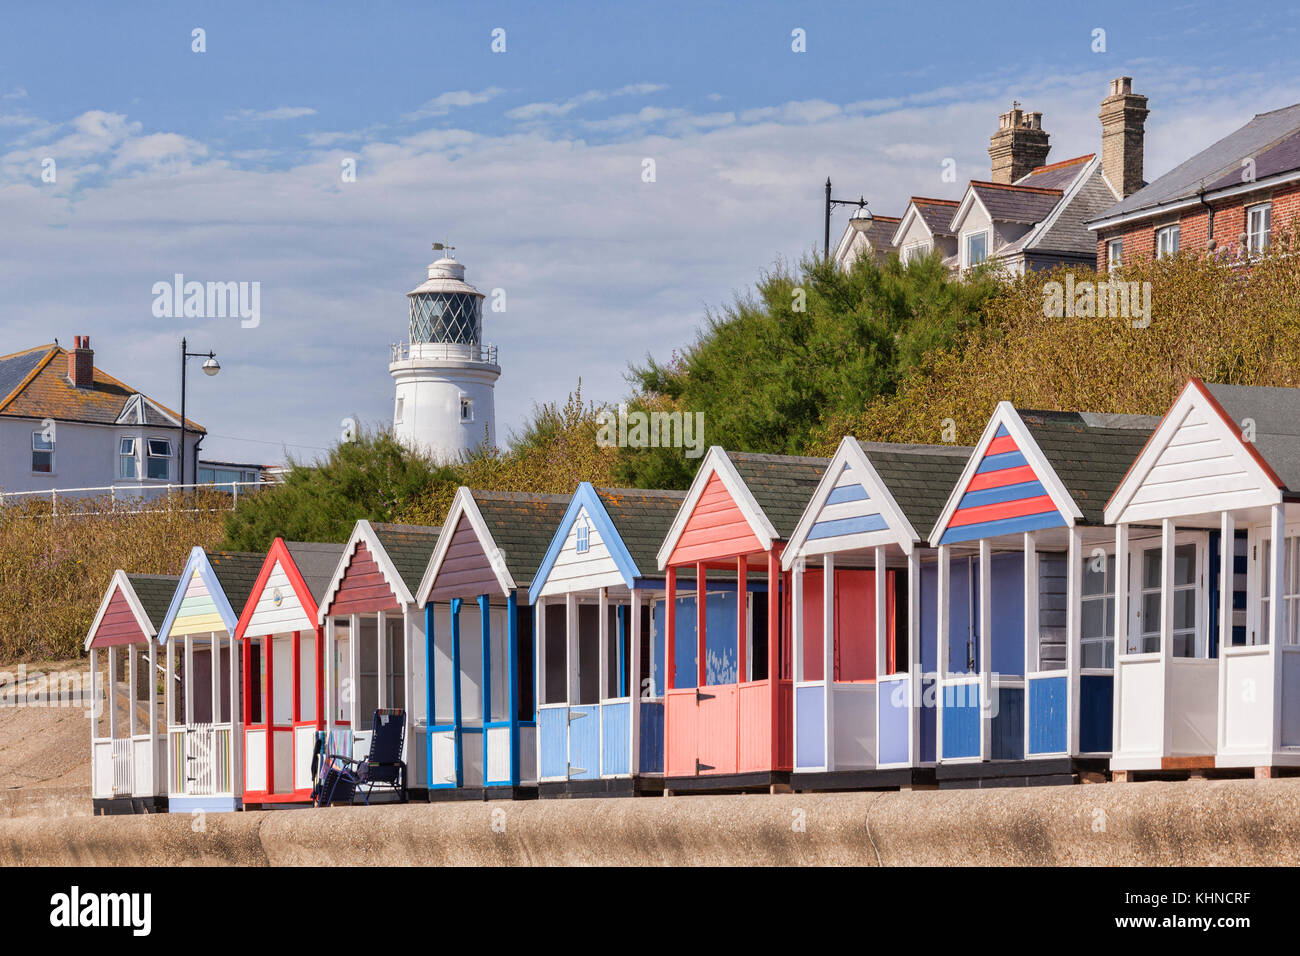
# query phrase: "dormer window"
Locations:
[[977, 248]]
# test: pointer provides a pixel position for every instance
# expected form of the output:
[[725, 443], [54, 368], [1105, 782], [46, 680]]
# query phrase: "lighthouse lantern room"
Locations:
[[445, 374]]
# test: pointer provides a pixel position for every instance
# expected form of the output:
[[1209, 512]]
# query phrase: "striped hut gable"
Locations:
[[198, 612], [1005, 495], [849, 509], [716, 528]]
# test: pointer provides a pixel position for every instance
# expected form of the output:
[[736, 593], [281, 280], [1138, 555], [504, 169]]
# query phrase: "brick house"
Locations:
[[1231, 198]]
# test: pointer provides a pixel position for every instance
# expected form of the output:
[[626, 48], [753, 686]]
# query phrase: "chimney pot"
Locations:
[[1019, 146]]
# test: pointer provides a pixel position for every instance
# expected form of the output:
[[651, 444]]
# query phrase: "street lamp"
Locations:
[[210, 367], [860, 219]]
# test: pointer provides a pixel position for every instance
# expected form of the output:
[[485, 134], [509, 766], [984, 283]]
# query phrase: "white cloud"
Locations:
[[17, 93], [279, 113], [444, 103], [531, 112]]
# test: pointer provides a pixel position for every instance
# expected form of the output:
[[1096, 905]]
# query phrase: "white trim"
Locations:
[[1005, 414], [717, 463], [912, 212], [963, 209], [464, 505], [364, 531], [1225, 193], [1043, 226], [1189, 399], [851, 454], [122, 582]]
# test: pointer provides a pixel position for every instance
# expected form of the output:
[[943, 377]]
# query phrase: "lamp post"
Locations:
[[863, 214], [210, 367]]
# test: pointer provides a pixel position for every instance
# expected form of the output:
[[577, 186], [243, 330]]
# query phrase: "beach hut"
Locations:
[[1026, 582], [374, 640], [727, 697], [479, 634], [202, 674], [1207, 671], [599, 656], [865, 649], [284, 675], [127, 759]]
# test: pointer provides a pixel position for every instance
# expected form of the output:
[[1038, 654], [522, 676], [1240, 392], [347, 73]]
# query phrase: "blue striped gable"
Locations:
[[1003, 496], [848, 509]]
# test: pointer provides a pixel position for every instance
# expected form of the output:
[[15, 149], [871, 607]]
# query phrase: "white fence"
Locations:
[[128, 497]]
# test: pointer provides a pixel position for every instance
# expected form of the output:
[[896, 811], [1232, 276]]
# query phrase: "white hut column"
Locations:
[[915, 670], [882, 625], [570, 648], [985, 662], [828, 658], [1227, 547], [634, 682], [942, 615], [110, 698], [1167, 535], [132, 719], [796, 600], [1074, 632], [603, 689], [1028, 548], [1277, 610]]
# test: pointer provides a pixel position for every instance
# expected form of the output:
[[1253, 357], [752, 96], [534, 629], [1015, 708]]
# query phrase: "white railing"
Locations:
[[132, 495], [123, 765], [452, 351]]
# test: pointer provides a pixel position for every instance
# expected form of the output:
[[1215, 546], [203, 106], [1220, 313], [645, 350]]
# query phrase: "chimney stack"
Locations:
[[1123, 115], [81, 363], [1019, 146]]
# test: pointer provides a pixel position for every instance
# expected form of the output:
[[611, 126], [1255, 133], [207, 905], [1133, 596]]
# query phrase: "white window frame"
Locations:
[[36, 450], [1257, 240], [965, 247], [1162, 240], [133, 457], [582, 538], [915, 250], [1260, 540], [399, 412], [1114, 254], [1201, 632], [1106, 597], [149, 457]]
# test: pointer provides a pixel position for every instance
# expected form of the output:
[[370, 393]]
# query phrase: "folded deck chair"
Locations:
[[343, 777]]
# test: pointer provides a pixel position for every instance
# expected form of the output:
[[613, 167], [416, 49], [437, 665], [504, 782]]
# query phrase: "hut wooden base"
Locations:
[[1201, 768], [113, 806], [1046, 772], [610, 787], [448, 795], [899, 778], [767, 781]]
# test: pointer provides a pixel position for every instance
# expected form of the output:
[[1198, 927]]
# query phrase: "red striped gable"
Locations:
[[364, 589], [1004, 496], [118, 625], [716, 528]]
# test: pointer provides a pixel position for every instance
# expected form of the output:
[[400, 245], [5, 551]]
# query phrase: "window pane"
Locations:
[[42, 461], [127, 447], [160, 447], [1151, 568], [1184, 609], [160, 468], [1150, 613], [1094, 623], [1185, 564], [129, 469], [41, 442]]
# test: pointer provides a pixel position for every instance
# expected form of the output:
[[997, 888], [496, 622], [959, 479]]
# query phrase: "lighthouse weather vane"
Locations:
[[444, 246]]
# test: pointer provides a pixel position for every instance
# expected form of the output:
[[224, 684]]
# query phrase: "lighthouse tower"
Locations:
[[445, 374]]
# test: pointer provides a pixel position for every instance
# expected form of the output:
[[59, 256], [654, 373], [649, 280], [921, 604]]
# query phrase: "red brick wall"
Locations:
[[1229, 224]]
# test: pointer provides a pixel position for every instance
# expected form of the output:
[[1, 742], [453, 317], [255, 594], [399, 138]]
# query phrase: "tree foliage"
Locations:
[[807, 344]]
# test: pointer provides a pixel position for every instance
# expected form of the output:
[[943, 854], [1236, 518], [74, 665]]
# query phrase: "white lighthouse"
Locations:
[[445, 374]]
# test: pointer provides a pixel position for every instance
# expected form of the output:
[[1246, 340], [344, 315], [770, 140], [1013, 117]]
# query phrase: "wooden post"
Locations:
[[915, 669], [942, 616], [570, 648], [701, 625], [670, 637], [880, 580], [1227, 548], [742, 619], [1167, 533], [270, 712], [828, 660], [485, 637], [985, 662], [1074, 635], [539, 673], [602, 676], [457, 704], [634, 683], [796, 629], [296, 647], [111, 697], [512, 682], [774, 650], [1277, 632], [381, 659], [1029, 548], [131, 719], [1121, 633], [331, 679]]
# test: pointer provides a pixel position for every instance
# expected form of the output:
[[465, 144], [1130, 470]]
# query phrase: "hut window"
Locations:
[[257, 702], [160, 459], [396, 656], [1291, 594], [367, 672], [128, 463], [584, 541], [1097, 622], [42, 452], [342, 666]]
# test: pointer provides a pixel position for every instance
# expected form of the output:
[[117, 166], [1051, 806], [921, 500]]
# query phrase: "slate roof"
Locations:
[[1055, 175], [1270, 139], [920, 477], [155, 592], [881, 233], [409, 547], [236, 572], [34, 384], [1276, 414], [1016, 203], [781, 484], [1091, 453], [936, 214], [316, 563], [522, 525], [642, 519], [1068, 232]]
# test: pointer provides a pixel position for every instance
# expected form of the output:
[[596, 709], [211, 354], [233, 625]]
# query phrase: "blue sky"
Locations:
[[224, 166]]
